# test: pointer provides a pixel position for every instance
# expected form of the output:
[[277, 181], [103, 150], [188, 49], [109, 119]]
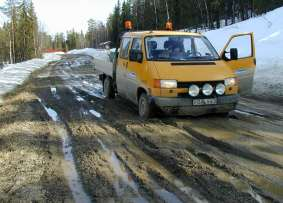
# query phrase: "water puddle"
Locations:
[[84, 112], [123, 175], [244, 187], [96, 86], [72, 90], [68, 164], [95, 113], [80, 99], [190, 192], [256, 196], [53, 91], [167, 197], [51, 113], [249, 113]]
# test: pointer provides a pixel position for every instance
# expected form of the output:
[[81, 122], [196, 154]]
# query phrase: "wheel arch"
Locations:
[[140, 90]]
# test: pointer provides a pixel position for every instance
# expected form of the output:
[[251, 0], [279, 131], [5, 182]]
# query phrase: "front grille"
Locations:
[[201, 96], [200, 84]]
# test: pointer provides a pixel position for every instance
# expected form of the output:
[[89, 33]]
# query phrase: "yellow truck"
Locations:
[[178, 72]]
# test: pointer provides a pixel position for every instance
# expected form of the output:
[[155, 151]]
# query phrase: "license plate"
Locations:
[[203, 102]]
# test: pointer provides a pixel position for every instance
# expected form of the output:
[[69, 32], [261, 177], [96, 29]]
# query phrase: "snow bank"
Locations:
[[268, 30], [101, 54], [15, 74]]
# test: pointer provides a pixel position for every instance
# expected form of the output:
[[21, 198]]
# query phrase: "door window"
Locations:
[[243, 44], [137, 45], [124, 52]]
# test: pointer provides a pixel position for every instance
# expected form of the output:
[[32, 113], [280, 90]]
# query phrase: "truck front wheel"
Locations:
[[145, 107], [108, 89]]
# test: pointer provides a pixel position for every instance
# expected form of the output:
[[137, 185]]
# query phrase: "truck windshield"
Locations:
[[179, 48]]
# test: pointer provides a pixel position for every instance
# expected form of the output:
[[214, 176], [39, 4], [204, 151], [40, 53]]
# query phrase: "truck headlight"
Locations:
[[220, 89], [230, 82], [194, 90], [168, 84], [207, 89]]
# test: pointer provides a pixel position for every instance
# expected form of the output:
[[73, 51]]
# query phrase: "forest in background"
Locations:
[[190, 15], [22, 37]]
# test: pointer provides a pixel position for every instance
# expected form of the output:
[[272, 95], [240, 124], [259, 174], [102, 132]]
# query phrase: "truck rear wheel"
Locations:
[[145, 108], [108, 89]]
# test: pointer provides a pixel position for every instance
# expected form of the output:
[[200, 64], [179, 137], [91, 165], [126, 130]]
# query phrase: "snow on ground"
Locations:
[[268, 31], [101, 54], [15, 74]]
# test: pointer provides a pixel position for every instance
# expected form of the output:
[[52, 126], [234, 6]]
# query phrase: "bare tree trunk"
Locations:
[[13, 31], [233, 12], [207, 14], [167, 9], [34, 44], [155, 10], [10, 46]]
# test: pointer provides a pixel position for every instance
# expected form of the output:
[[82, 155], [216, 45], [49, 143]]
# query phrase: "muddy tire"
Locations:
[[108, 89], [146, 110]]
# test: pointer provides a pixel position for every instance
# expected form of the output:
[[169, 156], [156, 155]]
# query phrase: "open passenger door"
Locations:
[[239, 53]]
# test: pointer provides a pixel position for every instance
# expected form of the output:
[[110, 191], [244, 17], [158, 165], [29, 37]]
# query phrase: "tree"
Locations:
[[10, 10], [22, 30]]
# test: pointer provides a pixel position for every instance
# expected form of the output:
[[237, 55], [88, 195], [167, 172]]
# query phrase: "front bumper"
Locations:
[[184, 106]]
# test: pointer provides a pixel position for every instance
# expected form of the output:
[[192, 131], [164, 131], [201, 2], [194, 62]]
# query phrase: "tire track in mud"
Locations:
[[149, 157], [163, 194], [268, 187], [68, 122], [68, 164], [144, 141], [254, 193], [144, 169], [187, 167], [227, 148], [118, 113]]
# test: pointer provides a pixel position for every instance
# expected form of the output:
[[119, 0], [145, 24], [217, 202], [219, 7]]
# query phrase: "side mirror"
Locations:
[[234, 54], [136, 55]]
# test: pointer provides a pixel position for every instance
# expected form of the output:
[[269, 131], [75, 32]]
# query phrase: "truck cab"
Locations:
[[181, 73]]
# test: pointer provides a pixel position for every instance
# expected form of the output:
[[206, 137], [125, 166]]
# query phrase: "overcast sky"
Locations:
[[62, 15]]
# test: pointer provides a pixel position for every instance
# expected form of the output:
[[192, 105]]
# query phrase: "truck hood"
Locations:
[[193, 71]]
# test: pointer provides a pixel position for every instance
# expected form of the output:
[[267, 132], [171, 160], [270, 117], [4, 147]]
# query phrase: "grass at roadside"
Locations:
[[30, 149]]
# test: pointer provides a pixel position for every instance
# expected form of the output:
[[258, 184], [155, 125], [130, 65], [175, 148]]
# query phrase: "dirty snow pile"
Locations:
[[15, 74], [101, 54], [268, 31]]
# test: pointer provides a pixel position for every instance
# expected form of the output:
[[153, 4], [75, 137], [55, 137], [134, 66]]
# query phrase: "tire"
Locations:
[[145, 108], [108, 90]]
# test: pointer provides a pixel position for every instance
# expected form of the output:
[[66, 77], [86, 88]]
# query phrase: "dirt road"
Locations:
[[110, 155]]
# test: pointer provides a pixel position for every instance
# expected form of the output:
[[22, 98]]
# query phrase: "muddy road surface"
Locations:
[[102, 152]]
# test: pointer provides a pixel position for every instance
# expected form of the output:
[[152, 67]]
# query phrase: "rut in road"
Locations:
[[157, 154]]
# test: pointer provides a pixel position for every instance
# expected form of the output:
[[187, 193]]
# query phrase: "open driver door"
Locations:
[[239, 54]]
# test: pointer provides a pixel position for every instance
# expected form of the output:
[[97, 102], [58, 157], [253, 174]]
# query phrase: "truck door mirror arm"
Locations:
[[136, 55]]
